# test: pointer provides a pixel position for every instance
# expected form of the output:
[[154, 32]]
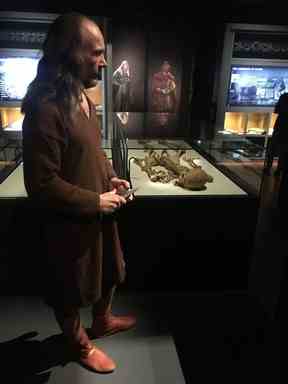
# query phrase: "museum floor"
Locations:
[[180, 338]]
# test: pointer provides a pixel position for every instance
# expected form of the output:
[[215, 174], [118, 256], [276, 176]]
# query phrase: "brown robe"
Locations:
[[163, 102], [65, 171]]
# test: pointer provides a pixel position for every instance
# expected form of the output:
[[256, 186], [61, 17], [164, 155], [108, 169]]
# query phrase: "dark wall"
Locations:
[[207, 67], [199, 244]]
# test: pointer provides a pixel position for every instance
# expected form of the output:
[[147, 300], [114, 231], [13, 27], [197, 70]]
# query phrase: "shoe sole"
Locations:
[[109, 333], [94, 370]]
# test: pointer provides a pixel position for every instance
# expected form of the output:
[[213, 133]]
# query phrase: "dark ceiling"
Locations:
[[198, 13]]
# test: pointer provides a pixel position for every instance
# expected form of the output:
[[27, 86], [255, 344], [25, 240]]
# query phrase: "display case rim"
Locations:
[[239, 27], [27, 17], [267, 62]]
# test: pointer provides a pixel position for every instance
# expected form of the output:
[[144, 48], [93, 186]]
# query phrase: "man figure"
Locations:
[[68, 176], [164, 90]]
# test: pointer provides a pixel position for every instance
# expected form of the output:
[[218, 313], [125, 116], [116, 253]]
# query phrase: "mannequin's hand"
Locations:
[[110, 201], [119, 183]]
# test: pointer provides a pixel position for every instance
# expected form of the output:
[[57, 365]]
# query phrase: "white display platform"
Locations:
[[13, 186]]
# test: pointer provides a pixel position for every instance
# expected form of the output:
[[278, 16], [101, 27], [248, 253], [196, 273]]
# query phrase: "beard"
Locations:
[[91, 83], [93, 77]]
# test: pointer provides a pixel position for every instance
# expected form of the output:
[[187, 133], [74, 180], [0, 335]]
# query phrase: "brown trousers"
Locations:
[[68, 318]]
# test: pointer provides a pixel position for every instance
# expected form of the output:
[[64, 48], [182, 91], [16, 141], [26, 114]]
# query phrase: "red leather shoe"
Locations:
[[108, 324], [95, 360]]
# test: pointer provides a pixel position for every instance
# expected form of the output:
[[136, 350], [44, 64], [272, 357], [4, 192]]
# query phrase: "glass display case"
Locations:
[[240, 157], [175, 168], [249, 123], [229, 165], [181, 167], [10, 140]]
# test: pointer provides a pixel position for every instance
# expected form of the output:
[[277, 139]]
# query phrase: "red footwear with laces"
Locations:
[[94, 359]]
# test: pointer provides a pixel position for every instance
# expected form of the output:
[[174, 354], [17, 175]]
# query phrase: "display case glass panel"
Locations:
[[242, 158], [167, 166]]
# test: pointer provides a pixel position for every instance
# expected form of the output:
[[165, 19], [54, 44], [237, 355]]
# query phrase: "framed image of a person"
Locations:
[[122, 87], [164, 89]]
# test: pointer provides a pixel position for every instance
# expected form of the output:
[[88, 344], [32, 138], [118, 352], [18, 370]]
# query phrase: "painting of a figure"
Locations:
[[122, 87], [164, 89]]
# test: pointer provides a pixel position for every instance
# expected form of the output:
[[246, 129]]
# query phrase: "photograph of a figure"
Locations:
[[131, 124], [164, 89], [122, 88], [130, 57]]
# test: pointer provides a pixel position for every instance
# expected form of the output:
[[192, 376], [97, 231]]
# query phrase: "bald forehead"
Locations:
[[91, 33]]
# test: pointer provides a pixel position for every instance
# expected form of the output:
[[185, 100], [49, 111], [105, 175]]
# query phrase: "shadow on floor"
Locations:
[[26, 360]]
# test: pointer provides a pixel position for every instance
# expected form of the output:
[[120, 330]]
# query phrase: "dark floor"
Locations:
[[32, 349], [218, 336], [226, 337]]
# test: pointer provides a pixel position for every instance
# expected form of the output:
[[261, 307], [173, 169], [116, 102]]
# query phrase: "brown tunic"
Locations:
[[65, 171]]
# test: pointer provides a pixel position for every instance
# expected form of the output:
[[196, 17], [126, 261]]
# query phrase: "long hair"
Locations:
[[58, 70], [120, 69]]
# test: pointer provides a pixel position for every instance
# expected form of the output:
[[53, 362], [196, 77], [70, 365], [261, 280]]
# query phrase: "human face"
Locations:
[[165, 68], [93, 54], [125, 66]]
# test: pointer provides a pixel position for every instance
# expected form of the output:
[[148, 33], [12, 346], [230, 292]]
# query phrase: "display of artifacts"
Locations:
[[163, 144], [243, 123], [128, 67], [235, 122], [173, 144], [5, 164], [244, 148], [164, 167], [256, 131], [164, 89], [158, 172]]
